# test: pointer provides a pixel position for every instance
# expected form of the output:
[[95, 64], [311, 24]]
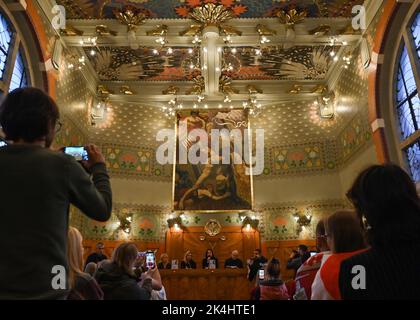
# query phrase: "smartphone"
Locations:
[[261, 274], [150, 260], [79, 153]]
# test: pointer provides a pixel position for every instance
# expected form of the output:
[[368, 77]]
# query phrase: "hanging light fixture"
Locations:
[[326, 104]]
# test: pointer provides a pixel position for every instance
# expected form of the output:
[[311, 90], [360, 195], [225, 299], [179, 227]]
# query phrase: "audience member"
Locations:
[[91, 268], [118, 279], [98, 255], [306, 273], [210, 261], [386, 201], [164, 262], [234, 262], [272, 288], [188, 262], [255, 263], [299, 258], [37, 187], [345, 239], [82, 285]]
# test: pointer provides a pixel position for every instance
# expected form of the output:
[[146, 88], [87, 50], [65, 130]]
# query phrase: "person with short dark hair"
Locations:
[[299, 258], [255, 263], [345, 238], [234, 262], [37, 187], [388, 207], [272, 288], [98, 255]]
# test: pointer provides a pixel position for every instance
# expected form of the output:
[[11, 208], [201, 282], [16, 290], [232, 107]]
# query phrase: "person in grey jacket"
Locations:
[[37, 187]]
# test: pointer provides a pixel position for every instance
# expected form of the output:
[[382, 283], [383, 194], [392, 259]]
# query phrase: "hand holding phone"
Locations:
[[94, 156], [79, 153], [150, 260], [261, 274]]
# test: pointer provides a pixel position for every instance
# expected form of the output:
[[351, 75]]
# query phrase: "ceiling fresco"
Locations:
[[180, 9], [126, 64], [277, 63]]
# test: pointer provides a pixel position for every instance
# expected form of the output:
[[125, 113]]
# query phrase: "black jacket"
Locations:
[[392, 272], [118, 285], [255, 266], [37, 187]]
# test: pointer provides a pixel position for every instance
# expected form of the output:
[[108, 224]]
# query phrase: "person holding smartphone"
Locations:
[[270, 286], [37, 187]]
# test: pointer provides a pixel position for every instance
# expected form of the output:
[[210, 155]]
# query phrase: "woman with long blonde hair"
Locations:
[[82, 285]]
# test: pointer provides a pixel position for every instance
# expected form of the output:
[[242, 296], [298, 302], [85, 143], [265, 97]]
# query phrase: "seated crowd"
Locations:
[[372, 252]]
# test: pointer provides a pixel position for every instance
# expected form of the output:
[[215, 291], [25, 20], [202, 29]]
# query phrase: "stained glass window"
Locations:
[[407, 97], [5, 39], [19, 76], [415, 30], [413, 158]]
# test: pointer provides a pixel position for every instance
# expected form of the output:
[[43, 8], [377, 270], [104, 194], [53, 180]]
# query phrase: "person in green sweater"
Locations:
[[36, 190]]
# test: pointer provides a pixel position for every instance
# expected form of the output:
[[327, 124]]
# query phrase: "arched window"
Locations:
[[13, 70], [407, 96]]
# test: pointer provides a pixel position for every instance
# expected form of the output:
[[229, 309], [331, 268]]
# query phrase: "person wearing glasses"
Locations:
[[37, 187]]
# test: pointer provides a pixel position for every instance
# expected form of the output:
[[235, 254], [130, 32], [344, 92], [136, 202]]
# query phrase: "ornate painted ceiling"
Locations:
[[286, 54], [180, 9]]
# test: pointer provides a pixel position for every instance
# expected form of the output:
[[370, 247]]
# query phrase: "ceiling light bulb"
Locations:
[[220, 106], [205, 49], [217, 69], [219, 49], [92, 52], [190, 51], [170, 51], [155, 51], [81, 42], [345, 43], [336, 58], [332, 53], [234, 50], [231, 107], [206, 106]]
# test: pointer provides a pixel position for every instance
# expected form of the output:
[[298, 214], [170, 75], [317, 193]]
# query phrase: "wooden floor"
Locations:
[[206, 284]]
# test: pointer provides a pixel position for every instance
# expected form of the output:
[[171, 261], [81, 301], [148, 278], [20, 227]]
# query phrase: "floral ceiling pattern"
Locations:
[[297, 63], [176, 9], [126, 64]]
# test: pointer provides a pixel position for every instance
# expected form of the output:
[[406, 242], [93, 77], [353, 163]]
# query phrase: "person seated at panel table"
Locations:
[[255, 264], [188, 262], [164, 262], [210, 261], [98, 255], [234, 262]]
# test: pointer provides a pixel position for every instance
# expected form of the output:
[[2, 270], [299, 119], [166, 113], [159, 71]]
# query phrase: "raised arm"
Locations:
[[92, 197]]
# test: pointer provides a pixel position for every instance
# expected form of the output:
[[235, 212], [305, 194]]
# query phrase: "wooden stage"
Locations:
[[220, 284]]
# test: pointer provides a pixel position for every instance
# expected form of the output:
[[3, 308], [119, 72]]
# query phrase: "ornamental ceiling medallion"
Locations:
[[130, 16], [212, 228], [211, 14]]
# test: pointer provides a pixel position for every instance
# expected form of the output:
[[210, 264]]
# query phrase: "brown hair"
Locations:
[[344, 229], [124, 256], [273, 268]]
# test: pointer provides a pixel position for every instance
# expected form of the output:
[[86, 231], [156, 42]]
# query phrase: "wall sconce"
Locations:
[[176, 223], [124, 222], [326, 105], [100, 109], [249, 223], [302, 221]]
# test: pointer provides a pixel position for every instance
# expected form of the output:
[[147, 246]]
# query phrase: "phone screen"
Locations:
[[261, 274], [79, 153], [3, 143], [150, 260]]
